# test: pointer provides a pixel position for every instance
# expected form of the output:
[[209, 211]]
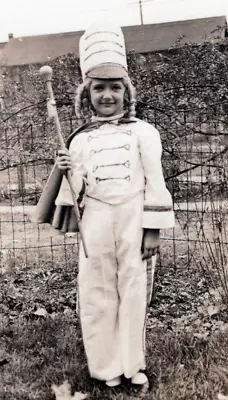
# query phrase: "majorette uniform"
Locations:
[[125, 192]]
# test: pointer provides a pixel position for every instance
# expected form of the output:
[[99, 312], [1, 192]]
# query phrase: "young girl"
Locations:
[[116, 161]]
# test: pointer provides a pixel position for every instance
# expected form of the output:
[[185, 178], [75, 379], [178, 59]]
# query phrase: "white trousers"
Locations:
[[112, 288]]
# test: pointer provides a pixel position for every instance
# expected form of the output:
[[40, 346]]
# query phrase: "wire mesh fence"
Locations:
[[195, 167], [199, 195]]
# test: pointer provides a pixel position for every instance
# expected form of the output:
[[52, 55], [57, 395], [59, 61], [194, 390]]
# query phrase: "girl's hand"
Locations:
[[63, 160], [150, 243]]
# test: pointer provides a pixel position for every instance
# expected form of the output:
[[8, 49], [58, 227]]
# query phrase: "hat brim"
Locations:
[[107, 71]]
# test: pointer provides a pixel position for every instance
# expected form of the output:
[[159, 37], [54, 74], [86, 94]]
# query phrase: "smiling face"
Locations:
[[107, 96]]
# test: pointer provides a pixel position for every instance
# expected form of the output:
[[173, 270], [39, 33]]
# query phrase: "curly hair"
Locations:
[[84, 109]]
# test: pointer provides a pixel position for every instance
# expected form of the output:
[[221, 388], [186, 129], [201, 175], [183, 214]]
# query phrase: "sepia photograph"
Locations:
[[114, 200]]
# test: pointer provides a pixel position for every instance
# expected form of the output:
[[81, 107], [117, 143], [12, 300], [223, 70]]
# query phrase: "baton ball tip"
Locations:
[[45, 71]]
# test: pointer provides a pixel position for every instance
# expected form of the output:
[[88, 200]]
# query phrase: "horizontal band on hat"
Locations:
[[103, 44], [103, 51], [103, 41], [98, 32], [107, 71]]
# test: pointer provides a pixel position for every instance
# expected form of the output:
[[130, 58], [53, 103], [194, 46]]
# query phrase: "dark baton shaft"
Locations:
[[46, 72]]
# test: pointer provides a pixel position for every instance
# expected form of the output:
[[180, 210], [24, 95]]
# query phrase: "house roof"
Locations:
[[2, 45], [140, 38]]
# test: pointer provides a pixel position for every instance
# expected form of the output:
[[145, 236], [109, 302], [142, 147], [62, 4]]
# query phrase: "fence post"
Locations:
[[20, 168]]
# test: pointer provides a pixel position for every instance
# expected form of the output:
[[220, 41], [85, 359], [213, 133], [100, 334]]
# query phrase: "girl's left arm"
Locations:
[[158, 205]]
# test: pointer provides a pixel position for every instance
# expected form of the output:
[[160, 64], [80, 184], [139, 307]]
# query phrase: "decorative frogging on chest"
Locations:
[[110, 154]]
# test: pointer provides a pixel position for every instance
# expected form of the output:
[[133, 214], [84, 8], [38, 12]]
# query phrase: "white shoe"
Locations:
[[139, 379], [114, 382]]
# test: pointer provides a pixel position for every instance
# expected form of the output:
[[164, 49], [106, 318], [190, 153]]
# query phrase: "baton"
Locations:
[[46, 73]]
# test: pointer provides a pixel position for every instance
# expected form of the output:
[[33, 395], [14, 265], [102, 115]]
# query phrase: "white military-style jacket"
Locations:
[[117, 161]]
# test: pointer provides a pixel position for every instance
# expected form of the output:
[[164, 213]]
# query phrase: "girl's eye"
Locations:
[[98, 88], [116, 88]]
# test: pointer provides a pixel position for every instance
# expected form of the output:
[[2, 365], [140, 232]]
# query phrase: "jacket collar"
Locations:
[[88, 126]]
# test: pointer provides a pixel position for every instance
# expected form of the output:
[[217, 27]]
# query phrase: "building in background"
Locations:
[[149, 38]]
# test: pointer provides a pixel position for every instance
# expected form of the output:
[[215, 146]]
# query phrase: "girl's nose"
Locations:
[[107, 94]]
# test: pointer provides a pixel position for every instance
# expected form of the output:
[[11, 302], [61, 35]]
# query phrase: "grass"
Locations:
[[186, 348], [41, 352]]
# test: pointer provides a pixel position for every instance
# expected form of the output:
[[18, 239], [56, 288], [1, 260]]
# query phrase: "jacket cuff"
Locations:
[[158, 217]]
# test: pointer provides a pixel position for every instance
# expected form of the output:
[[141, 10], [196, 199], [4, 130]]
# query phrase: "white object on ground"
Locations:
[[139, 379], [114, 382]]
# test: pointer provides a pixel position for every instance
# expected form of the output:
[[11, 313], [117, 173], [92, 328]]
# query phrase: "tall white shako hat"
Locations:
[[102, 52]]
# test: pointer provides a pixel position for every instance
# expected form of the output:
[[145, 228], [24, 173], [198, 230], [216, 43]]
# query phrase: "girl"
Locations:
[[116, 162]]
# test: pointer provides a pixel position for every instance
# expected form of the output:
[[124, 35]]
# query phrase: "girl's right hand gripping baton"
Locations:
[[46, 72]]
